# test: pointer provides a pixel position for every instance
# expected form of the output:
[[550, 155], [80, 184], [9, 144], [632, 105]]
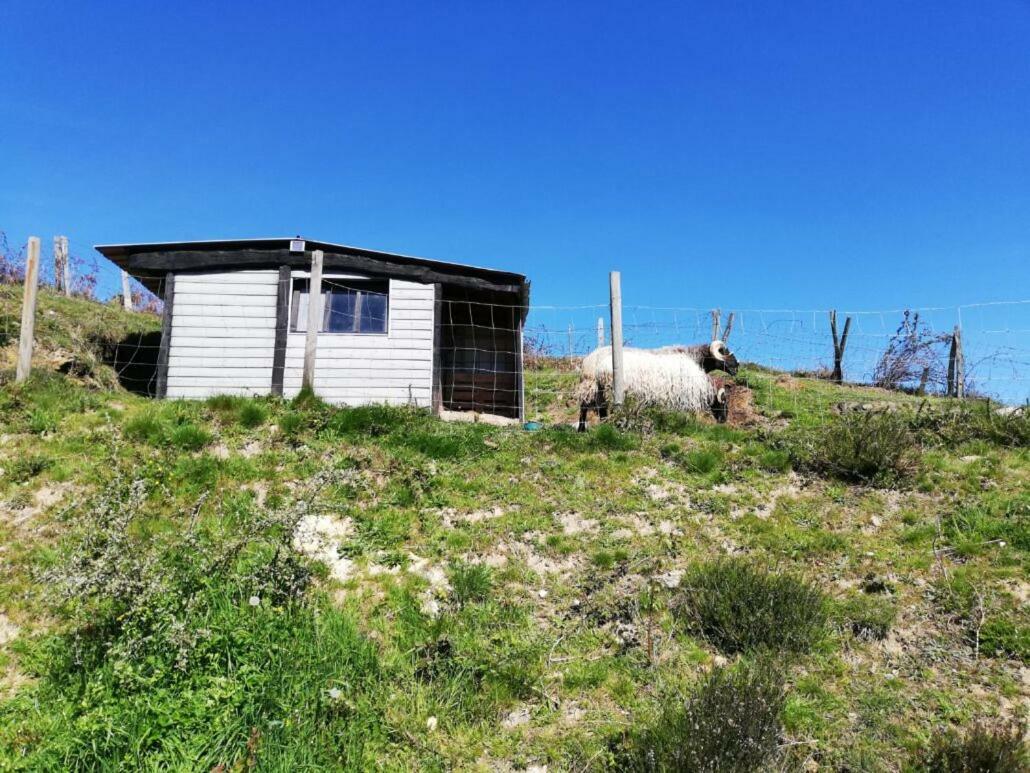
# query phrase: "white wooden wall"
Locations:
[[223, 340], [223, 334], [396, 368]]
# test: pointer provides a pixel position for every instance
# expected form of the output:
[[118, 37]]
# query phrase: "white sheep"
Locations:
[[668, 378]]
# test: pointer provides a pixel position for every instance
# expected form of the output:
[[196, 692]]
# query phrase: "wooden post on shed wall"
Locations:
[[618, 376], [314, 319], [126, 291], [161, 387], [28, 311], [282, 329], [437, 387]]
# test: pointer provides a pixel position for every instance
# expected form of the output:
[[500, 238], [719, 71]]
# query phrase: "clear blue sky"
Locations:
[[865, 155]]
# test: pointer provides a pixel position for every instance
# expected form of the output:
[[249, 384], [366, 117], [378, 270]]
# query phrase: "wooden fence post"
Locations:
[[600, 332], [618, 376], [28, 311], [956, 366], [126, 291], [729, 328], [314, 319], [62, 270], [571, 347], [716, 319], [839, 345]]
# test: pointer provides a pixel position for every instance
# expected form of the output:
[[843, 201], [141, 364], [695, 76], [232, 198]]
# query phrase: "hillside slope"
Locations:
[[287, 586]]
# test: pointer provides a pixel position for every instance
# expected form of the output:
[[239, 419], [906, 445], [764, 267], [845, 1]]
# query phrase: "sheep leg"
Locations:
[[583, 408]]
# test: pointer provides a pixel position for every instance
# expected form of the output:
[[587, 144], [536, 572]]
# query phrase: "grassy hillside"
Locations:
[[258, 584]]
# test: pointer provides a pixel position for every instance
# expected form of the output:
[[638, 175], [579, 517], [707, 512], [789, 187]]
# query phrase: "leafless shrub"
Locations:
[[916, 358], [12, 262]]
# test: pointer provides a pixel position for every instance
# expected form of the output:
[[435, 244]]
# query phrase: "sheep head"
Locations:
[[721, 405], [719, 357]]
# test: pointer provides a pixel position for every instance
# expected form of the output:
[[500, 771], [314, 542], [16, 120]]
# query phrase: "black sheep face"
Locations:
[[719, 357]]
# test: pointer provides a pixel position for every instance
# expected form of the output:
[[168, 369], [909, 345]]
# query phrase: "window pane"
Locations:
[[339, 316], [300, 309], [373, 313]]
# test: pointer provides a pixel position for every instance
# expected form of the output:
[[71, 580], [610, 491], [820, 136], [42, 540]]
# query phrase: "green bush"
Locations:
[[742, 607], [866, 617], [730, 722], [969, 421], [43, 420], [982, 749], [197, 649], [700, 461], [251, 415], [28, 467], [368, 420], [189, 437], [145, 426], [872, 447], [290, 424], [471, 582], [607, 438]]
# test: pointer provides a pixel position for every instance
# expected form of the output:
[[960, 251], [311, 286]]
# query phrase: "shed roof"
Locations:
[[149, 262]]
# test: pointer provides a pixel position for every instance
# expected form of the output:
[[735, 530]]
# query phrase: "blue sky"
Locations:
[[865, 155]]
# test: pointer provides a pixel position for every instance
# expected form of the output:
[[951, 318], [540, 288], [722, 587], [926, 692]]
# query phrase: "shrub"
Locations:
[[983, 749], [870, 447], [251, 415], [28, 467], [742, 607], [290, 424], [730, 722], [145, 426], [203, 632], [866, 617], [189, 437], [225, 404], [368, 420], [971, 420], [700, 461], [470, 582], [608, 438], [42, 420]]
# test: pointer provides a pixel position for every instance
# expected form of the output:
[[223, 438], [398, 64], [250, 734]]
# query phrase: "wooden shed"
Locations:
[[394, 329]]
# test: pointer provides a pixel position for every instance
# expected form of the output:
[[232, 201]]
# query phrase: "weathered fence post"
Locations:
[[839, 345], [717, 321], [572, 349], [956, 366], [126, 291], [62, 271], [618, 376], [600, 332], [729, 328], [314, 319], [28, 311]]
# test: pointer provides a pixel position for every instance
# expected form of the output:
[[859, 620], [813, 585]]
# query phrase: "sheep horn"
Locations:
[[716, 345]]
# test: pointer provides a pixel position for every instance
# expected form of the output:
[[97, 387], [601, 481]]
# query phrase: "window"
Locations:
[[348, 306]]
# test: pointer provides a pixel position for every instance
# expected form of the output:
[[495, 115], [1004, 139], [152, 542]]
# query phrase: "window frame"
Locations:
[[294, 312]]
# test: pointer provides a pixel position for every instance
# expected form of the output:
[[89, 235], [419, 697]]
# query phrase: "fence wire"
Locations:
[[483, 349]]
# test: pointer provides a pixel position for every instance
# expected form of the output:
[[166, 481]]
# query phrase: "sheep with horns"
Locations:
[[673, 376]]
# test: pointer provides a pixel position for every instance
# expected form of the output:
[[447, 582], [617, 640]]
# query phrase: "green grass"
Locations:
[[545, 598], [739, 606]]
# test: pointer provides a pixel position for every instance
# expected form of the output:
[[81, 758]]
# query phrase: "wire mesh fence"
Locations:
[[494, 356]]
